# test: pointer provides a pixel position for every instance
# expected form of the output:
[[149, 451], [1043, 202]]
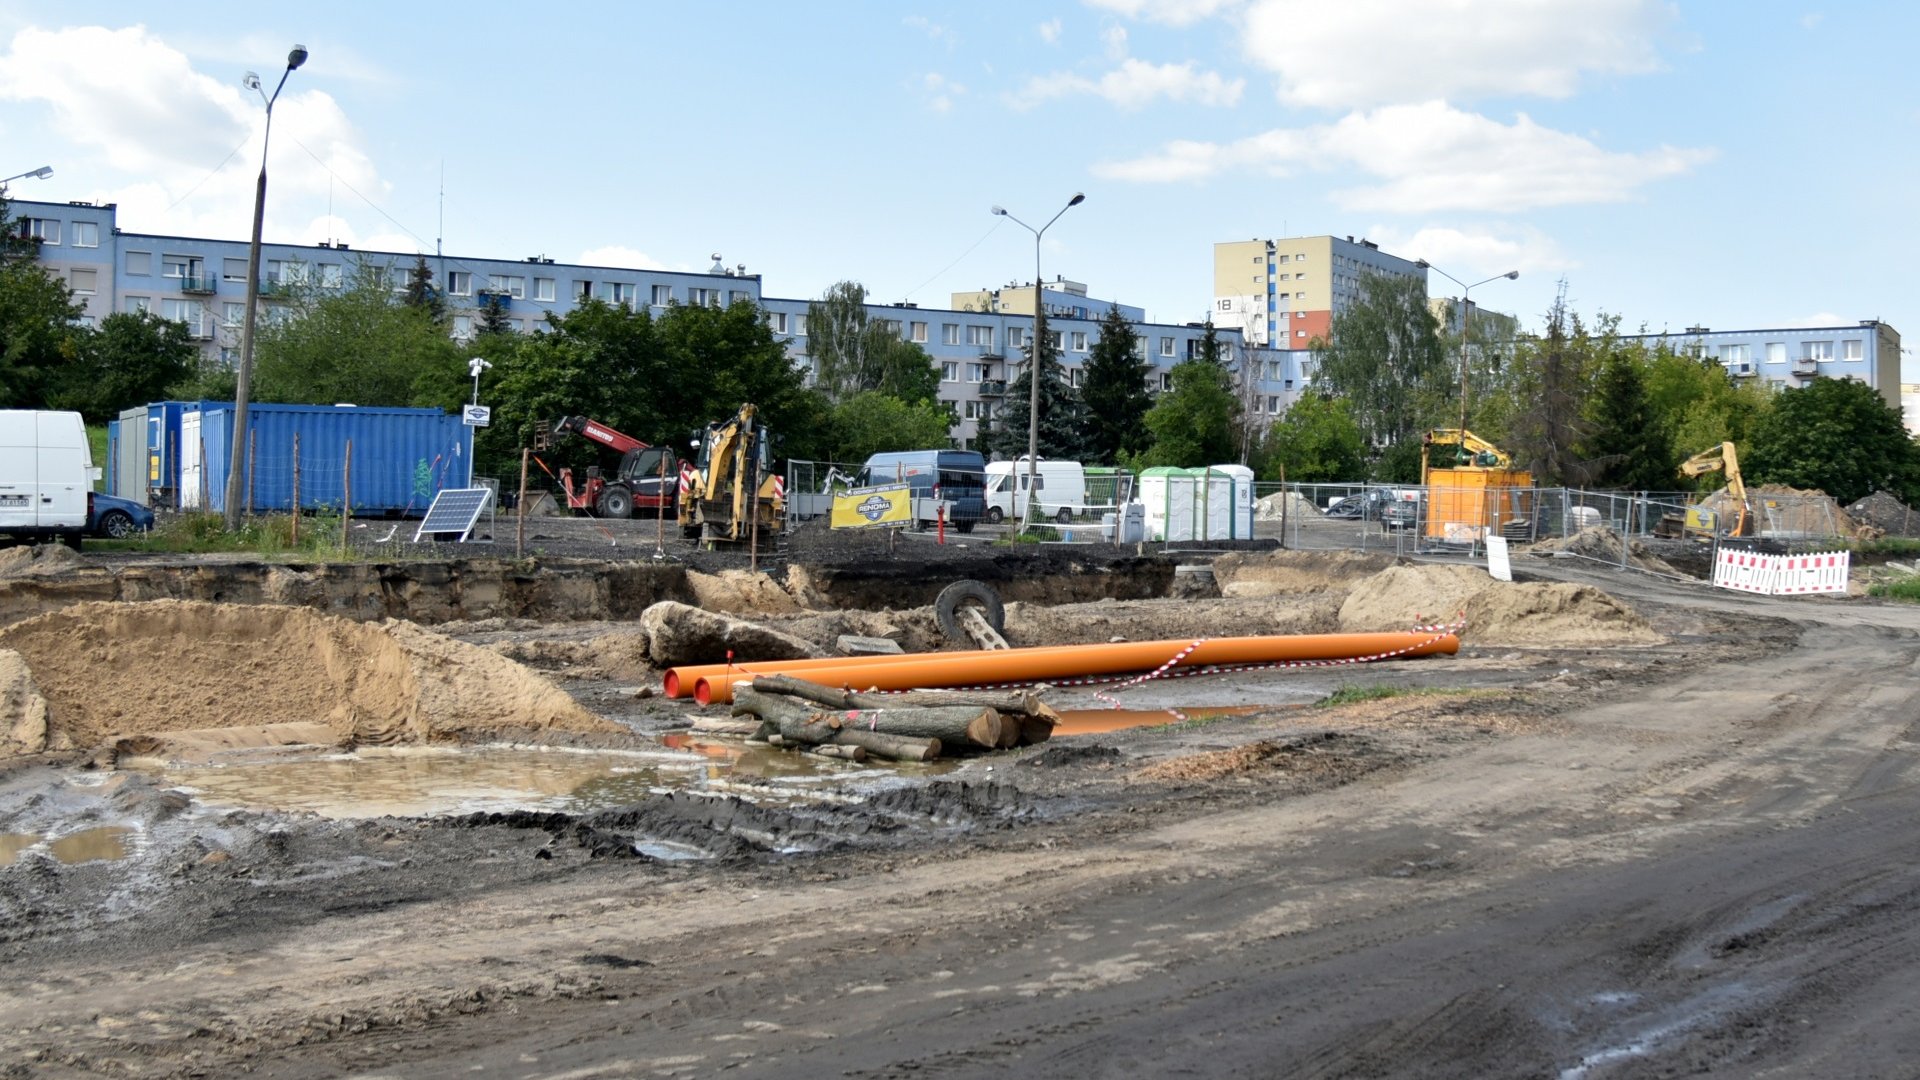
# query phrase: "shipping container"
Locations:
[[399, 458], [146, 455]]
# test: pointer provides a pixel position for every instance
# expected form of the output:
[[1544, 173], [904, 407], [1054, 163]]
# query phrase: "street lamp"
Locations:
[[1033, 354], [237, 462], [1466, 312], [40, 173]]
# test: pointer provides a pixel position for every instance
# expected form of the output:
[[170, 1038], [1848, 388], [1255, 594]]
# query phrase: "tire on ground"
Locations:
[[968, 593]]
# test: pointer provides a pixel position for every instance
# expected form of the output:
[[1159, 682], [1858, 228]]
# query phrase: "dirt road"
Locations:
[[1703, 862]]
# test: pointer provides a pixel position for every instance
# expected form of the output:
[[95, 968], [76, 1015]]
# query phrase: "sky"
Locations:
[[1734, 165]]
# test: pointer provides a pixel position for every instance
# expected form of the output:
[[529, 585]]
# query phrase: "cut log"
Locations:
[[729, 725], [1035, 729], [956, 726], [1009, 732], [835, 750], [805, 731], [769, 707], [890, 747], [1000, 701]]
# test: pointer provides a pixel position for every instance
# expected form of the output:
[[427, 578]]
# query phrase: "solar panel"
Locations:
[[454, 510]]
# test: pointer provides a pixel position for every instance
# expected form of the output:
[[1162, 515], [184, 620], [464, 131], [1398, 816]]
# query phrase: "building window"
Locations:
[[1140, 348], [182, 311], [233, 269], [920, 333], [173, 266], [777, 321], [976, 372], [1850, 349], [86, 234], [738, 296], [1299, 333], [1300, 257], [1284, 258], [463, 326], [1166, 380], [1776, 352], [1166, 346], [1079, 341], [290, 272], [950, 333], [1736, 354], [45, 230], [582, 290], [543, 288], [1054, 340], [949, 371], [703, 297], [1819, 350], [799, 326], [512, 286], [330, 277], [139, 305], [1299, 277], [139, 263], [621, 292], [1286, 277], [83, 282], [981, 336], [459, 283], [1074, 376], [1288, 385], [233, 314]]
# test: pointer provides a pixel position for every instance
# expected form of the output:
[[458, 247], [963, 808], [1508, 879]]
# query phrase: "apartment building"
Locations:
[[1868, 351], [203, 283]]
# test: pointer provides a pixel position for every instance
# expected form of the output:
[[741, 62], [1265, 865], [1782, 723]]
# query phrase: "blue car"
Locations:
[[114, 518]]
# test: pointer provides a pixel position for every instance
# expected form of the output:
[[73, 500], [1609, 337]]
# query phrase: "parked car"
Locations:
[[1392, 508], [114, 518]]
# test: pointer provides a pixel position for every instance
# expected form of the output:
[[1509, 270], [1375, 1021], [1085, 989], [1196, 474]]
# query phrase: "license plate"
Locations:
[[14, 500]]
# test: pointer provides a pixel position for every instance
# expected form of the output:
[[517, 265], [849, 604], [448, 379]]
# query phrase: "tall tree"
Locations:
[[1114, 387], [133, 358], [1194, 423], [421, 293], [1316, 442], [1552, 380], [871, 422], [1385, 358], [1211, 349], [1063, 415], [1837, 435], [493, 316], [853, 352], [1625, 443], [37, 311], [356, 343]]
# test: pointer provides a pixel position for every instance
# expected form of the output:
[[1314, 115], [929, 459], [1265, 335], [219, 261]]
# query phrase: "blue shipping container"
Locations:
[[400, 459], [148, 462]]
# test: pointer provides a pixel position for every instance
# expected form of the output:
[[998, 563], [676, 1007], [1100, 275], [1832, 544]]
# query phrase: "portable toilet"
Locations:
[[1167, 494], [1235, 495]]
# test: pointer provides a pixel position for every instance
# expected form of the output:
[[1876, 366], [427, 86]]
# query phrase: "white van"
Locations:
[[1060, 485], [46, 473]]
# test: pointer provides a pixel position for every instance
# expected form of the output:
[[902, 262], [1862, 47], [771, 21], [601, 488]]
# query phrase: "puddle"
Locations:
[[1097, 721], [426, 782], [105, 843]]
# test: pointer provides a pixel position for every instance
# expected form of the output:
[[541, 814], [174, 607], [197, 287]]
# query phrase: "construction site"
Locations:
[[432, 817]]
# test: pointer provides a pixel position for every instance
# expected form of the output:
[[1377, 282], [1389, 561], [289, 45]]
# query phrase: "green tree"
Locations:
[[1210, 348], [1317, 441], [1114, 388], [871, 422], [1837, 435], [133, 358], [1552, 381], [1627, 446], [1063, 415], [1386, 359], [1194, 423], [38, 338], [717, 359], [421, 293], [356, 343], [492, 311], [853, 353]]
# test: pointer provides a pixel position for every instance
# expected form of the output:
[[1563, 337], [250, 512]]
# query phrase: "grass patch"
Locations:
[[1907, 589], [270, 537], [1888, 545], [1353, 695]]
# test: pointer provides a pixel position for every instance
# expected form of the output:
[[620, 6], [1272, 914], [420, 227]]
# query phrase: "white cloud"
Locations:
[[1428, 157], [1114, 38], [1171, 12], [1359, 53], [1473, 256], [941, 91], [1050, 31], [946, 35], [1134, 84], [617, 255]]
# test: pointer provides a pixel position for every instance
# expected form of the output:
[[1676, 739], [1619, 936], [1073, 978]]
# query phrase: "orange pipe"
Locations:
[[680, 681], [1067, 661]]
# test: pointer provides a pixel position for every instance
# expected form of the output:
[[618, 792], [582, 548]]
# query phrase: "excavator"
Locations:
[[734, 497], [646, 478], [1473, 489], [1703, 519]]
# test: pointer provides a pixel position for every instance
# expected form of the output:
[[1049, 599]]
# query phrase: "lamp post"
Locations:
[[1033, 354], [237, 463], [474, 367], [1466, 313], [40, 173]]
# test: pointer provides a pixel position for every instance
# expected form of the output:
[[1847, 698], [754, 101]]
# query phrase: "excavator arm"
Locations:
[[1473, 450], [1721, 458], [598, 432]]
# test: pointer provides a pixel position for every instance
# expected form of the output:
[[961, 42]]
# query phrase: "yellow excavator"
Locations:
[[1473, 489], [733, 495], [1705, 517]]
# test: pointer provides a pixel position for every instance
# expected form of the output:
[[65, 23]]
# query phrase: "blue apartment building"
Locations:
[[203, 283], [1867, 351]]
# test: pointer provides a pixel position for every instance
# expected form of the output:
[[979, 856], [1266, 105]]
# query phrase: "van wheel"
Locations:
[[1065, 516], [994, 515]]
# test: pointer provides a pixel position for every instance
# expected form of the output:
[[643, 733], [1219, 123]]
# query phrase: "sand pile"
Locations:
[[1884, 511], [23, 711], [1785, 512], [740, 592], [1601, 543], [1295, 505], [43, 559], [115, 669], [1270, 573], [1157, 620], [1503, 613]]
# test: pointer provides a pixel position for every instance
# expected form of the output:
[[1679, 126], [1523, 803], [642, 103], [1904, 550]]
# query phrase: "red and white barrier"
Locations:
[[1782, 575]]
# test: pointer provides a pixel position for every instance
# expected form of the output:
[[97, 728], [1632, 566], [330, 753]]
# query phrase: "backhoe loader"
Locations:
[[733, 496]]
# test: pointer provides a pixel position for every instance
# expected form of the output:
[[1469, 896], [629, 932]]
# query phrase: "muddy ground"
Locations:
[[1686, 848]]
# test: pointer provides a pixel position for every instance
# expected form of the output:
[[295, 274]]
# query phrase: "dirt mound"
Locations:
[[44, 559], [740, 592], [1155, 620], [1785, 512], [1601, 543], [1883, 510], [1292, 504], [1321, 756], [117, 669], [1496, 612], [681, 634], [23, 711], [1270, 573]]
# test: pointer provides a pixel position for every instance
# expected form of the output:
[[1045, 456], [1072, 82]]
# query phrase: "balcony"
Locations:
[[993, 388], [992, 352], [1806, 367], [503, 300], [198, 285], [270, 285]]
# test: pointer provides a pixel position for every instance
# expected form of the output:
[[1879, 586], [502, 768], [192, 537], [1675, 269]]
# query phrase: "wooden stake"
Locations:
[[520, 505], [253, 445], [346, 495], [296, 489]]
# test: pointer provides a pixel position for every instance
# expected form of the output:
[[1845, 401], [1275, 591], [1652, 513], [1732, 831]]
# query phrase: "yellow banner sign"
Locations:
[[874, 507]]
